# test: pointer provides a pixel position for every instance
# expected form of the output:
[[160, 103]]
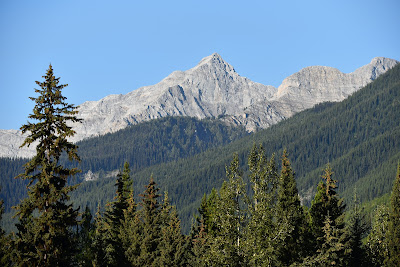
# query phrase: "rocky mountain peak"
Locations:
[[215, 61], [213, 89], [376, 67]]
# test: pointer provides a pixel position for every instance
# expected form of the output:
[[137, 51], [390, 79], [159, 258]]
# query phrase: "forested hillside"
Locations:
[[146, 144], [359, 137], [156, 141], [249, 208]]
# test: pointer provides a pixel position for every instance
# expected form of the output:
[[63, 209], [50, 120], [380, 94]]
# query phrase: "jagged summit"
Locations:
[[213, 89], [214, 61]]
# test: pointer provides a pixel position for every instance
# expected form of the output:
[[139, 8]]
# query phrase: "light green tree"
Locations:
[[227, 243], [261, 230], [377, 240]]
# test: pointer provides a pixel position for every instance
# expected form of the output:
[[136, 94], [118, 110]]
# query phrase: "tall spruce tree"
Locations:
[[290, 218], [173, 245], [394, 223], [98, 247], [150, 216], [355, 230], [228, 242], [377, 242], [261, 229], [84, 239], [326, 203], [115, 215], [46, 217]]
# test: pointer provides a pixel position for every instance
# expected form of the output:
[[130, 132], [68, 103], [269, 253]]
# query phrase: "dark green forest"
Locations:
[[359, 137], [180, 198], [146, 144]]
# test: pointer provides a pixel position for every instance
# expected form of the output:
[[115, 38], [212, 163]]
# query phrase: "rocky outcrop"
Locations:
[[10, 142], [214, 89], [211, 89], [316, 84]]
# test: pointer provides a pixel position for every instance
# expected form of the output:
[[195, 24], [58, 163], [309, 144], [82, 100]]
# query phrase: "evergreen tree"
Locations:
[[99, 241], [377, 242], [123, 194], [207, 212], [355, 230], [332, 249], [84, 237], [261, 230], [290, 218], [115, 215], [200, 244], [203, 229], [46, 218], [227, 243], [150, 216], [173, 246], [394, 223], [132, 235], [326, 203]]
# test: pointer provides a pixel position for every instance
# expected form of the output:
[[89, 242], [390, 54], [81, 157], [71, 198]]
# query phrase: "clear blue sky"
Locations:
[[111, 47]]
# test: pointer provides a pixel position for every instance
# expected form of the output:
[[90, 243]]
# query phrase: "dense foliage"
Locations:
[[255, 218], [359, 137], [154, 142], [263, 224], [45, 218]]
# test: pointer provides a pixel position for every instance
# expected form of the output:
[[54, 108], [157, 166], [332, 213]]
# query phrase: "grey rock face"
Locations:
[[214, 89], [210, 89], [10, 141], [316, 84]]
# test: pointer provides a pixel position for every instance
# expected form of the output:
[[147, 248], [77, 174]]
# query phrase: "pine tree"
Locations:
[[199, 244], [207, 212], [150, 216], [394, 223], [84, 238], [332, 249], [123, 193], [115, 215], [261, 230], [326, 203], [173, 245], [98, 247], [203, 229], [46, 218], [290, 218], [132, 235], [227, 244], [355, 230], [377, 242]]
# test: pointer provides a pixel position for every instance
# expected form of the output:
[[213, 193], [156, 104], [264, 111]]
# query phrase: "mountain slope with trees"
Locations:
[[359, 137]]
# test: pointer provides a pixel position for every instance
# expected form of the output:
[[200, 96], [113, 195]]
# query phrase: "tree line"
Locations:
[[360, 138], [259, 224]]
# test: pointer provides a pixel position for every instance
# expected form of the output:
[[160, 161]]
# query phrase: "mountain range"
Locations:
[[359, 137], [213, 89]]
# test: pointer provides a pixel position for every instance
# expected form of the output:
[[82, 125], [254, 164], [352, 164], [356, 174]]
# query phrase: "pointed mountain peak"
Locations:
[[216, 60]]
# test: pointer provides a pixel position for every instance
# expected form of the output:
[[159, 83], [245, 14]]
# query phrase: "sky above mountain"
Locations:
[[112, 47]]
